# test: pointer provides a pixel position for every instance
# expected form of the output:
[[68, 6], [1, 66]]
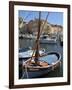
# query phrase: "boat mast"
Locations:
[[37, 41]]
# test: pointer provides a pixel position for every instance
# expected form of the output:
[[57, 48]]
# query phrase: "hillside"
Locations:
[[31, 27]]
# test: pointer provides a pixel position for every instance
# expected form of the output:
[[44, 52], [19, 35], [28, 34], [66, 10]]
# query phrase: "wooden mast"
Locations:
[[37, 41]]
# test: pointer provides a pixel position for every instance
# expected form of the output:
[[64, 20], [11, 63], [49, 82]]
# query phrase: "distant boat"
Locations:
[[27, 36], [45, 39]]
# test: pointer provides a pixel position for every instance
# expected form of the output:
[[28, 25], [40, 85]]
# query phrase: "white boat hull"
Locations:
[[48, 41], [28, 54]]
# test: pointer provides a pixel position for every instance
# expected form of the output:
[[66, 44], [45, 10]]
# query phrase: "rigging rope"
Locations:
[[25, 71]]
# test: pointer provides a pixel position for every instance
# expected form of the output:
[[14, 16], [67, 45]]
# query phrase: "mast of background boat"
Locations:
[[37, 41]]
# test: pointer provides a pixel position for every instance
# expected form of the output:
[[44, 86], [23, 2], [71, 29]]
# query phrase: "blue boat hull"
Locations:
[[40, 72]]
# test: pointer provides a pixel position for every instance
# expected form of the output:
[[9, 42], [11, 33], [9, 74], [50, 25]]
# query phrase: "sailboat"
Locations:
[[39, 65]]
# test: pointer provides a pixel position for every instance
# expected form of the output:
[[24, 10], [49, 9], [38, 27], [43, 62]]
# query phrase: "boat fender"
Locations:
[[32, 61]]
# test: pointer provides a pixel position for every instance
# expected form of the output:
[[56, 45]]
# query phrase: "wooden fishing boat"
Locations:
[[40, 64], [33, 69]]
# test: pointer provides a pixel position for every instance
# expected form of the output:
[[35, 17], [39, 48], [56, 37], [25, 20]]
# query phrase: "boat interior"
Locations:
[[39, 63]]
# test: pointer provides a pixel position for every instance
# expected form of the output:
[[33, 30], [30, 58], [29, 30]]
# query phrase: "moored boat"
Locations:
[[27, 36], [44, 65], [45, 39]]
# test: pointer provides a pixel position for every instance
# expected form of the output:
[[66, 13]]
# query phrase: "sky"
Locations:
[[55, 18]]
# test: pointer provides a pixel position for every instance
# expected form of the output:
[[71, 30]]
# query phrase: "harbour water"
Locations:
[[24, 43]]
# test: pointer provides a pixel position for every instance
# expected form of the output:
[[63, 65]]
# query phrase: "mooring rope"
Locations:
[[25, 71]]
